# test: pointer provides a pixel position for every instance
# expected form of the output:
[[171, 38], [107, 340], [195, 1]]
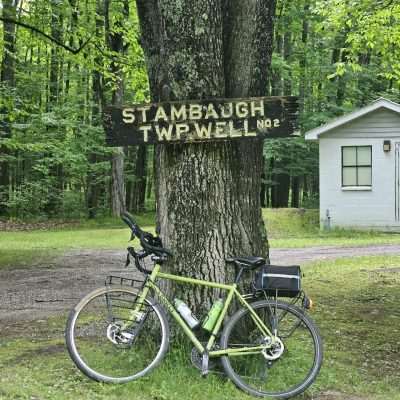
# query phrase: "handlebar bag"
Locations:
[[284, 281]]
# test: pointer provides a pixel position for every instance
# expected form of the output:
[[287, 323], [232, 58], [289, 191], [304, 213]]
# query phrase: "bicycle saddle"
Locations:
[[247, 262]]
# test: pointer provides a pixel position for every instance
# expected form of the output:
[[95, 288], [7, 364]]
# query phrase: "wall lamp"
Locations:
[[386, 145]]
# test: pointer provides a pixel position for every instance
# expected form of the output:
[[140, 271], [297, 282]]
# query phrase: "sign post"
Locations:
[[200, 121]]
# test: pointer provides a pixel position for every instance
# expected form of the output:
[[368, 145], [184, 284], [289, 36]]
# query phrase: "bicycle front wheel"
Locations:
[[279, 373], [109, 342]]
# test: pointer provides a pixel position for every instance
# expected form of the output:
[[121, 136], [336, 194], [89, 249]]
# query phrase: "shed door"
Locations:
[[397, 182]]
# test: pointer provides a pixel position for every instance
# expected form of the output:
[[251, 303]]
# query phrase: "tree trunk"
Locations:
[[295, 189], [303, 57], [276, 81], [8, 81], [263, 190], [93, 184], [139, 186], [280, 191], [339, 54], [208, 202], [116, 44], [287, 52]]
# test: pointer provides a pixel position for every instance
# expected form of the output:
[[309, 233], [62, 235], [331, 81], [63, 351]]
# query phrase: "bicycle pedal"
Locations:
[[204, 365]]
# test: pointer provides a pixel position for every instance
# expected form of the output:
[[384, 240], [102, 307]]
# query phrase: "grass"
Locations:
[[356, 309], [357, 312], [20, 249], [296, 228], [286, 228]]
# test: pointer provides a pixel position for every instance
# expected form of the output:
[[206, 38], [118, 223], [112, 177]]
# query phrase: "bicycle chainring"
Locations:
[[197, 360]]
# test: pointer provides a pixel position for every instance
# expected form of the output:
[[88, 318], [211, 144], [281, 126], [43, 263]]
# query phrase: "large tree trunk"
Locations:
[[208, 202]]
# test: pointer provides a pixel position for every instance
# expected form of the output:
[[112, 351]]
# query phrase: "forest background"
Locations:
[[336, 55]]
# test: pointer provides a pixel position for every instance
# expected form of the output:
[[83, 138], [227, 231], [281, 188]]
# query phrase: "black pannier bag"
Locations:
[[273, 278]]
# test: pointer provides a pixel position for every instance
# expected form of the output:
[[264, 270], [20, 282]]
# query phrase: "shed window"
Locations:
[[356, 166]]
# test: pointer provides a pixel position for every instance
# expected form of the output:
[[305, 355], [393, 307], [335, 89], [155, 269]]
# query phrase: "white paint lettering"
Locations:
[[178, 113], [227, 110], [246, 129], [195, 111], [164, 133], [257, 108], [145, 129], [220, 129], [277, 123], [181, 128], [128, 115], [144, 109], [211, 112], [160, 114], [202, 131], [242, 109], [233, 132]]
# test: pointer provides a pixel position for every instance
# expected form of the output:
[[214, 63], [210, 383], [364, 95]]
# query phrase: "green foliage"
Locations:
[[55, 145], [336, 55]]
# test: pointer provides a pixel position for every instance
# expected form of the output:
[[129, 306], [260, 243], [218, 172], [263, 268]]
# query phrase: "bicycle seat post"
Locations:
[[238, 274]]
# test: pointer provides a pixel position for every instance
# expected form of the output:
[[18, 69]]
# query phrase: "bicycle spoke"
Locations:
[[288, 365]]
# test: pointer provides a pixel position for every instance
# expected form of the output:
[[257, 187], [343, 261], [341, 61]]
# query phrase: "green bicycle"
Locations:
[[119, 333]]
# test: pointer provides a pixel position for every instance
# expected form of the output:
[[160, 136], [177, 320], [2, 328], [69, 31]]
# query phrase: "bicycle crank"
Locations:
[[197, 360]]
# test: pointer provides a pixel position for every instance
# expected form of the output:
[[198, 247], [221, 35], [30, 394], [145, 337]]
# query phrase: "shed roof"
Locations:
[[314, 134]]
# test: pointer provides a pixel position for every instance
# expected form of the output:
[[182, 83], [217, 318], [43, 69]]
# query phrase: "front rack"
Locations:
[[122, 281]]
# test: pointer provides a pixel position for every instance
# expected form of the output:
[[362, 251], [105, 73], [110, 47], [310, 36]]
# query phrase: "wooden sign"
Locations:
[[195, 121]]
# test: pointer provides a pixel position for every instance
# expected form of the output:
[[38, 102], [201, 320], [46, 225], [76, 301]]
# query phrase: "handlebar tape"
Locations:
[[128, 219]]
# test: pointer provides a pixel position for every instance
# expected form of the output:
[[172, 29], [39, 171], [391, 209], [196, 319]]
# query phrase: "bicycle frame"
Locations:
[[232, 293]]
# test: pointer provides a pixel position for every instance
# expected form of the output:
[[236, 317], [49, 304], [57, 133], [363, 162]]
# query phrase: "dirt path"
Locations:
[[44, 290], [307, 254]]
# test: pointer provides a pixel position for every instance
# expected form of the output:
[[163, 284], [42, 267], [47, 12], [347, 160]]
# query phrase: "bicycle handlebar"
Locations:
[[150, 243]]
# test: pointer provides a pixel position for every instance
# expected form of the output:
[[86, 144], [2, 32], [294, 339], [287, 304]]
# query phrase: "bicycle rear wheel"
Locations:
[[110, 344], [297, 363]]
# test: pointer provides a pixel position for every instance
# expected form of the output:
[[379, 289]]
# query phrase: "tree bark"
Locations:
[[208, 202], [263, 191], [56, 172], [7, 77], [295, 189], [93, 184], [139, 186], [303, 57], [116, 44], [280, 190]]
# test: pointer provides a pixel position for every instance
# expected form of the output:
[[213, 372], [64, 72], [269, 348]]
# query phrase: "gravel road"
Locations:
[[43, 290]]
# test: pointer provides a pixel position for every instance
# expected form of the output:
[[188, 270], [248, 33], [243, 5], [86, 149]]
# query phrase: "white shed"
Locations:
[[359, 168]]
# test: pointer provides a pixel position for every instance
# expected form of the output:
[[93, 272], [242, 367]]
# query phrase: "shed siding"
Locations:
[[373, 208], [376, 124]]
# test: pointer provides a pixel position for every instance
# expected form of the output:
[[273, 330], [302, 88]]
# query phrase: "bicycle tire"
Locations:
[[294, 370], [96, 355]]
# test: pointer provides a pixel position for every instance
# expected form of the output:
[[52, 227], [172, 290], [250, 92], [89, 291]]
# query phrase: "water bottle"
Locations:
[[186, 313], [213, 315]]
